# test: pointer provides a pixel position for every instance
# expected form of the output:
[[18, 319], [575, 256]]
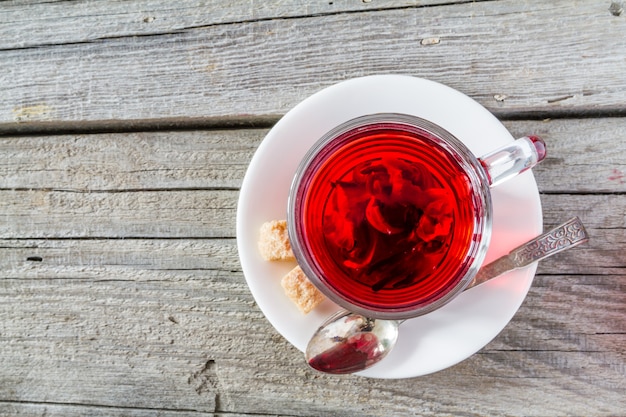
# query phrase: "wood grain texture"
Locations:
[[122, 293], [73, 410], [528, 57], [129, 161], [121, 290], [120, 215], [584, 155], [147, 323], [30, 23]]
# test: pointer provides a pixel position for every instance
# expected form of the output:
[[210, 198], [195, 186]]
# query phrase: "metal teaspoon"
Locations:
[[349, 342]]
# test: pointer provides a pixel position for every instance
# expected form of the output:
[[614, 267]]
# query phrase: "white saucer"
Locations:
[[432, 342]]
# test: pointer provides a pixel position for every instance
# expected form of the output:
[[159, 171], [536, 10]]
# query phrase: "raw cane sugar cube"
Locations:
[[274, 241], [301, 291]]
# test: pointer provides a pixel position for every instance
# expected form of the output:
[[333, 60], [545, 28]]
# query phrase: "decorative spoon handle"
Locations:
[[565, 236]]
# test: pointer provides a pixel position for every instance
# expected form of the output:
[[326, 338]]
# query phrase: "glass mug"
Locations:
[[390, 215]]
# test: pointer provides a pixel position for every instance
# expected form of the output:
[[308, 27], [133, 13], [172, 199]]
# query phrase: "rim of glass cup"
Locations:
[[482, 220]]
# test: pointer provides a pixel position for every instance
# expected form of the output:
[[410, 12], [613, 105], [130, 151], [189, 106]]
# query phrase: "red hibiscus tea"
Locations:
[[387, 216]]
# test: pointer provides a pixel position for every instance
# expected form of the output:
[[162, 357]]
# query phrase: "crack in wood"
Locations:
[[102, 406], [556, 100], [244, 21], [207, 380]]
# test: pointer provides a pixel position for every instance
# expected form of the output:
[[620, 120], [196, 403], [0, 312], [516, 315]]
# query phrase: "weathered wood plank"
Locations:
[[584, 155], [100, 340], [201, 214], [197, 73], [588, 381], [547, 317], [118, 334], [35, 23], [121, 291], [43, 258], [12, 409], [129, 161], [27, 256], [174, 213]]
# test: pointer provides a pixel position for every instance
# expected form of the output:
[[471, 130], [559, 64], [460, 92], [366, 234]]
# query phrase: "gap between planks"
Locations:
[[103, 406], [250, 122]]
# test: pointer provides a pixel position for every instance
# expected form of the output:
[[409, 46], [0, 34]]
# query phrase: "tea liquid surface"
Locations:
[[389, 218]]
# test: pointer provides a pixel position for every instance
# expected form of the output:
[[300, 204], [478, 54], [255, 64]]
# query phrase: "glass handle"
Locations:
[[513, 159]]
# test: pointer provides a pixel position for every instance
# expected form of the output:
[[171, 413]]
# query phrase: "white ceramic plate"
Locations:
[[432, 342]]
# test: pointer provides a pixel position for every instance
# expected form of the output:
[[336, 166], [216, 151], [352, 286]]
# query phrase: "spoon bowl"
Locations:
[[348, 342]]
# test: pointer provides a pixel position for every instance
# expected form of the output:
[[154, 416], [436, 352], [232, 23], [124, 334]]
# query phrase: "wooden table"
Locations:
[[126, 129]]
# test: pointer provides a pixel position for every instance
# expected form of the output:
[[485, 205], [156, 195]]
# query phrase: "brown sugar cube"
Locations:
[[300, 290], [274, 241]]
